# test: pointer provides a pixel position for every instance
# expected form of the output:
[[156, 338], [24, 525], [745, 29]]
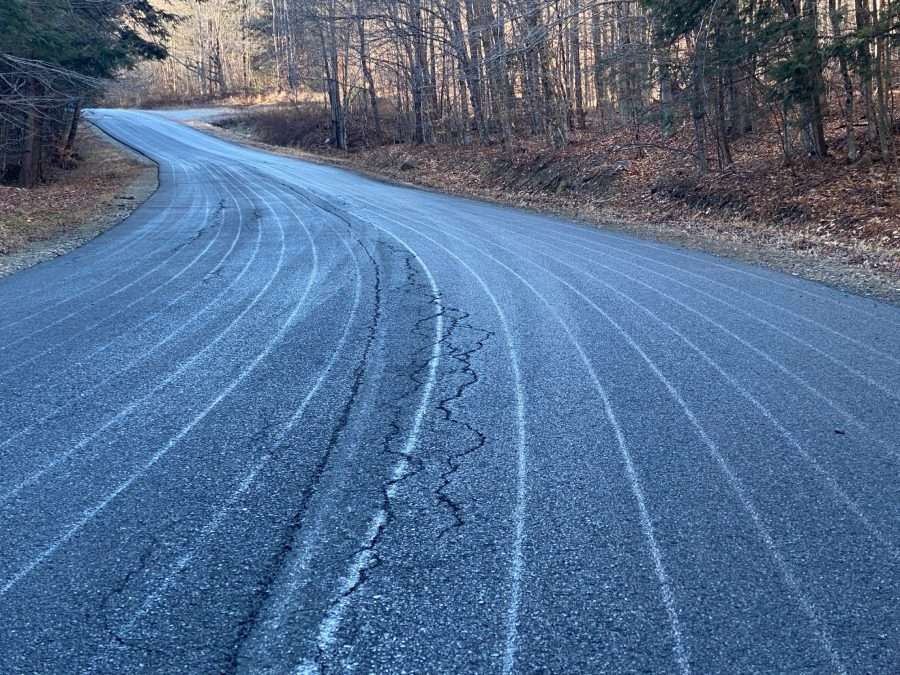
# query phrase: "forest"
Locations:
[[683, 81], [493, 71], [55, 55]]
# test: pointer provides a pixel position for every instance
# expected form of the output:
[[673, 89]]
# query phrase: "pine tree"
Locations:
[[53, 53]]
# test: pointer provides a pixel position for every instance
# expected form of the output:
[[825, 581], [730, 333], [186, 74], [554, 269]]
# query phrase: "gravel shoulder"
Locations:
[[860, 267], [108, 184]]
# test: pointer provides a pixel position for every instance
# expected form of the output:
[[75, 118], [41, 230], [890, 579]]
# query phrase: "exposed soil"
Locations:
[[828, 221], [108, 182]]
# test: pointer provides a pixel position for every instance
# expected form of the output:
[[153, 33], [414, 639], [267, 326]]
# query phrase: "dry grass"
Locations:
[[96, 186], [845, 235], [827, 221]]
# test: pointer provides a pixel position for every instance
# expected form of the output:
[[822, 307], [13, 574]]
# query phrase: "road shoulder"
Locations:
[[42, 223], [861, 268]]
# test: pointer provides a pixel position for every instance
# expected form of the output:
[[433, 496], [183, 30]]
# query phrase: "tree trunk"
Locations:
[[367, 72], [597, 33], [849, 111], [809, 53], [698, 115], [31, 156], [332, 84], [419, 76], [882, 80], [474, 72], [494, 50], [576, 64], [68, 147]]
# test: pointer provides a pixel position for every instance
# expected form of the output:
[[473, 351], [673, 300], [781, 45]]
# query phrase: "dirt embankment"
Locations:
[[827, 221], [107, 183]]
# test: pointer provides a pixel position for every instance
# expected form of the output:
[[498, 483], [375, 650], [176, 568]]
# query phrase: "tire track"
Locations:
[[90, 513], [159, 344], [365, 556], [788, 576]]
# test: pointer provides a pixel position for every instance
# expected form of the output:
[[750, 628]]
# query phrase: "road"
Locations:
[[285, 418]]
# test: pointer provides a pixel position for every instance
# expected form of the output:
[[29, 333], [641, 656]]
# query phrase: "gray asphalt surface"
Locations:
[[288, 419]]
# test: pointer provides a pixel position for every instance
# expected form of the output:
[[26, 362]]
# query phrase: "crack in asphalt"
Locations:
[[210, 223], [266, 584], [368, 554], [464, 356], [216, 272], [143, 563], [409, 465]]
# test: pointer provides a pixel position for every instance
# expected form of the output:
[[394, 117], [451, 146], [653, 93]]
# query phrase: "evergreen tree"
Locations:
[[52, 55]]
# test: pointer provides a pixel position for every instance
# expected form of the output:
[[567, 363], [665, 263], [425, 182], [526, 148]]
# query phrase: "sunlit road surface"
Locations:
[[286, 418]]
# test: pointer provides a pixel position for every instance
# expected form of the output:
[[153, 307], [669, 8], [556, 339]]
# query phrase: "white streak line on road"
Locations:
[[800, 286], [827, 476], [848, 416], [830, 480], [706, 279], [679, 649], [175, 251], [699, 259], [113, 249], [737, 486], [134, 362], [71, 335], [145, 230], [159, 454], [332, 621], [625, 258]]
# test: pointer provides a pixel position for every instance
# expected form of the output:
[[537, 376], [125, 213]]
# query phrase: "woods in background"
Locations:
[[491, 71], [53, 56]]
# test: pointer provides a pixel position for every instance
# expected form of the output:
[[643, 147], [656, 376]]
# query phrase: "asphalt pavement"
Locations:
[[286, 418]]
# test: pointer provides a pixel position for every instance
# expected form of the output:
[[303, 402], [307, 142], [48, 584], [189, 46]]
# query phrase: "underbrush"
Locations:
[[303, 125], [639, 177]]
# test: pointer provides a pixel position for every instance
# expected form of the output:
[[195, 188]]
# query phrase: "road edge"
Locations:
[[825, 269], [141, 188]]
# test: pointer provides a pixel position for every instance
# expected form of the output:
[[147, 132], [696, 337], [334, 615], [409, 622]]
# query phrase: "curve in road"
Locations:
[[285, 418]]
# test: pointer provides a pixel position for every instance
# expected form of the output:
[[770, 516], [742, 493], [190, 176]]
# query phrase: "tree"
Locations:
[[54, 54], [496, 71]]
